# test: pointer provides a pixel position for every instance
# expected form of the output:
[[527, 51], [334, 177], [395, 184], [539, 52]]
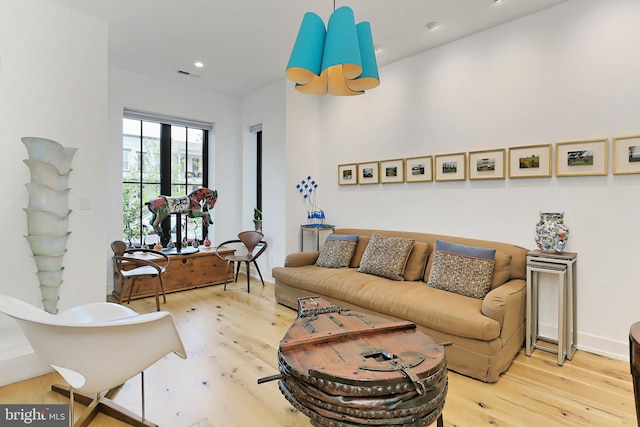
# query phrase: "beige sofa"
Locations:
[[485, 334]]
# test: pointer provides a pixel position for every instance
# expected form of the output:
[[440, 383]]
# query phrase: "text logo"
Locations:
[[34, 415]]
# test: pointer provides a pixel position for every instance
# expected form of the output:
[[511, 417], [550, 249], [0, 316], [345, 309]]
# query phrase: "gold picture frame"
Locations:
[[450, 167], [487, 164], [530, 161], [626, 154], [582, 158], [348, 174], [391, 171], [418, 169], [368, 173]]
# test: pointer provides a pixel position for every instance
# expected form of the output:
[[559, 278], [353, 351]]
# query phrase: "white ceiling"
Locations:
[[245, 44]]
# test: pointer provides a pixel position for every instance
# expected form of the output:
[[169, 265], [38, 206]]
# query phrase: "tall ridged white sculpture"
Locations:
[[48, 213]]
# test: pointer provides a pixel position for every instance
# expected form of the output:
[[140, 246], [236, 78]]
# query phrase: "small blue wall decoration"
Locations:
[[307, 189]]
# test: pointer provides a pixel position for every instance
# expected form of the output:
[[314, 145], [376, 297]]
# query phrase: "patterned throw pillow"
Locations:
[[336, 253], [465, 270], [386, 256]]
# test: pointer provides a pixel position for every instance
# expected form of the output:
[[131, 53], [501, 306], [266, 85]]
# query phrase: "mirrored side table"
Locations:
[[563, 265]]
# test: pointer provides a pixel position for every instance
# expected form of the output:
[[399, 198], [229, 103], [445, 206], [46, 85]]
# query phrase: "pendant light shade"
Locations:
[[369, 77], [339, 60], [306, 57], [341, 44]]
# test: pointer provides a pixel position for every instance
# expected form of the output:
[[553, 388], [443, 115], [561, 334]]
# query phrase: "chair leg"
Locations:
[[105, 405], [124, 289], [131, 284], [142, 393], [237, 271], [71, 409], [164, 296], [248, 276], [226, 272], [157, 296], [259, 274]]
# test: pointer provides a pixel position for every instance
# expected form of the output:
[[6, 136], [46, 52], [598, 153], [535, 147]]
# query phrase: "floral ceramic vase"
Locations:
[[551, 232]]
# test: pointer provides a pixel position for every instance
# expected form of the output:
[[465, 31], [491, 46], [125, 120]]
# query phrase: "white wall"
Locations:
[[53, 84], [266, 107], [567, 73], [306, 153]]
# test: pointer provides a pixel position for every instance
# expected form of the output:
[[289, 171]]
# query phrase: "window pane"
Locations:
[[178, 155], [193, 187], [151, 159], [131, 227], [194, 229], [178, 190], [151, 130], [194, 158], [130, 149], [150, 192], [131, 127]]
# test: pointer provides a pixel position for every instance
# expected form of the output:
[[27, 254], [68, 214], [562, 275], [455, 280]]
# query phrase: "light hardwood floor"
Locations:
[[232, 340]]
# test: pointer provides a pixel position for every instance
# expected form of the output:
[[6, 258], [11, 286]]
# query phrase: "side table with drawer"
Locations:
[[563, 265]]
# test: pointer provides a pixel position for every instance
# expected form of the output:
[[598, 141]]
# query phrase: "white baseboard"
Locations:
[[22, 368], [592, 344], [18, 362]]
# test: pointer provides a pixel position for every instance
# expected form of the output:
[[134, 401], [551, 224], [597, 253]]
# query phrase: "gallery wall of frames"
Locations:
[[572, 158]]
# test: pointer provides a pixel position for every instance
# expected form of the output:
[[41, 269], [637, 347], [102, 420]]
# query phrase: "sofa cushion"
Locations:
[[414, 270], [386, 256], [465, 270], [501, 269], [432, 308], [336, 253], [363, 241]]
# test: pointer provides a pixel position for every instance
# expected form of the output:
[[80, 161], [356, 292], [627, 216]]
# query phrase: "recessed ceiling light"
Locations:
[[431, 25], [199, 64], [498, 1]]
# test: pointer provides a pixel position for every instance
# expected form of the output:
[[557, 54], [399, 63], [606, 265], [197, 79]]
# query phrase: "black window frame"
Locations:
[[166, 179]]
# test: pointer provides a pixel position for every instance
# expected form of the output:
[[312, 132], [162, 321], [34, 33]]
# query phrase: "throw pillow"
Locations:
[[336, 253], [386, 256], [465, 270], [353, 238]]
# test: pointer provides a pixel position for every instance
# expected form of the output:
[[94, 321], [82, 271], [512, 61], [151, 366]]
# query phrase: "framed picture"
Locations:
[[451, 167], [530, 161], [626, 154], [581, 158], [368, 173], [391, 171], [487, 164], [418, 169], [347, 174]]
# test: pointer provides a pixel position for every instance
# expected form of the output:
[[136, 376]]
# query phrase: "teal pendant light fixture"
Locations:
[[339, 60]]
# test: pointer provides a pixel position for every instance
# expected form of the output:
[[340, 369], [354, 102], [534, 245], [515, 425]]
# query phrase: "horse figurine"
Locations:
[[195, 205]]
